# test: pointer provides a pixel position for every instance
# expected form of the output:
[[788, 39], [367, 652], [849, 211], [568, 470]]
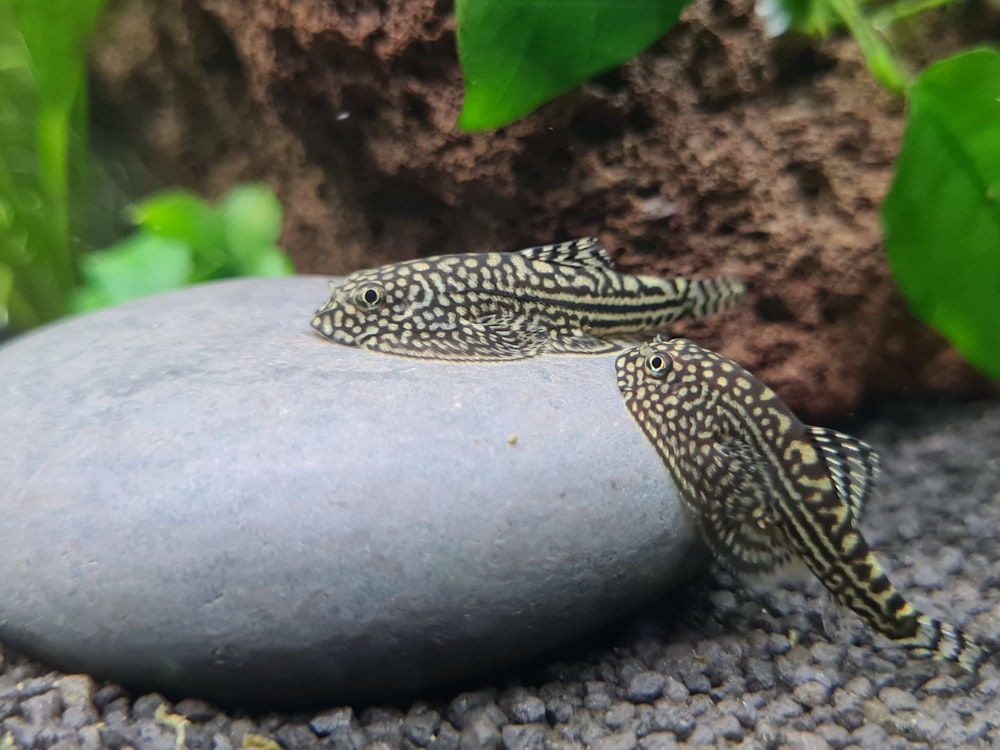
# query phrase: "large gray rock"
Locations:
[[202, 496]]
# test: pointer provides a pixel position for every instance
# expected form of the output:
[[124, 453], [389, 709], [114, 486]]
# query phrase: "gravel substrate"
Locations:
[[712, 666]]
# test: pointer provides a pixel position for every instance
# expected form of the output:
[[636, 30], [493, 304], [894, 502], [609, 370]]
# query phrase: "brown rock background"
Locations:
[[716, 151]]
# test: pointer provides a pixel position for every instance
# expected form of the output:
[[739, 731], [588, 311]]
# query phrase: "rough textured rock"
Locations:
[[718, 150], [201, 496]]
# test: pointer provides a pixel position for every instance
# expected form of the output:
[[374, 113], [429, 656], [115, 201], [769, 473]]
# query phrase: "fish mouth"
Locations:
[[322, 323]]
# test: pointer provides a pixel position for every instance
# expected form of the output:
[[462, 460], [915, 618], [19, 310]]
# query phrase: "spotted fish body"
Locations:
[[563, 298], [768, 490]]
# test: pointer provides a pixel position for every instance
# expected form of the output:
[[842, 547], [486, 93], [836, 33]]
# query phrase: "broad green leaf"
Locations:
[[272, 262], [251, 216], [174, 214], [140, 265], [55, 33], [518, 54], [183, 216], [942, 214]]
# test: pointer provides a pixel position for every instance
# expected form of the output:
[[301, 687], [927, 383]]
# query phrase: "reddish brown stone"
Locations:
[[718, 150]]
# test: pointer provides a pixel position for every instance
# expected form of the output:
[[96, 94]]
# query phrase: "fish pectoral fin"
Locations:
[[852, 465], [533, 337], [738, 523], [514, 334], [577, 342], [745, 549], [587, 252]]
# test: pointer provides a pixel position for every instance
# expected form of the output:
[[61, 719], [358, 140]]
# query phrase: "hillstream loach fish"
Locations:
[[770, 492], [565, 298]]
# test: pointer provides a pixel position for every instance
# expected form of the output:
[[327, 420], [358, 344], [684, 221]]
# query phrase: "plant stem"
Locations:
[[903, 10], [878, 57], [22, 315], [53, 150]]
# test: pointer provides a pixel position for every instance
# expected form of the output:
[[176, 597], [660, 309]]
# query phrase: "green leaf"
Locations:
[[271, 262], [251, 216], [174, 214], [182, 216], [140, 265], [518, 54], [55, 33], [942, 214]]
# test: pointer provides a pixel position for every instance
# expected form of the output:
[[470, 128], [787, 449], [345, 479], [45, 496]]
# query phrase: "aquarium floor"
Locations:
[[715, 665]]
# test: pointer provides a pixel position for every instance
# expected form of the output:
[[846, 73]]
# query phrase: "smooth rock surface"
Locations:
[[203, 497]]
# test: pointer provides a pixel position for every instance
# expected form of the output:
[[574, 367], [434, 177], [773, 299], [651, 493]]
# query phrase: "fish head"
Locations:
[[666, 371], [366, 305], [681, 394], [686, 398]]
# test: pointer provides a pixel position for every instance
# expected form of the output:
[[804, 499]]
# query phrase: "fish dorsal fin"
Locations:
[[587, 252], [852, 464]]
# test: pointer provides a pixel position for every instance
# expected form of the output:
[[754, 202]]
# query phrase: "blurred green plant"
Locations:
[[942, 213], [42, 109], [518, 54], [183, 240], [867, 23], [43, 117]]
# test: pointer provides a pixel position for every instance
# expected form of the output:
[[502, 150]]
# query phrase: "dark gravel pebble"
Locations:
[[717, 665], [522, 737]]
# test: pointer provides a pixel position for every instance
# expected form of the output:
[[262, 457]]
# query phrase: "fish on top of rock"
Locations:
[[769, 492], [563, 298]]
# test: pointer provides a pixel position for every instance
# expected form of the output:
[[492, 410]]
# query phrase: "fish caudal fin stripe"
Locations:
[[940, 640], [712, 296]]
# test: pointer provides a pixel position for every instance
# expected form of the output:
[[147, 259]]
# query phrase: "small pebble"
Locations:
[[194, 709], [463, 704], [622, 741], [598, 697], [480, 733], [834, 734], [421, 725], [728, 727], [522, 737], [703, 734], [795, 740], [811, 694], [619, 715], [646, 687], [670, 717], [528, 710], [897, 700], [658, 741], [675, 690]]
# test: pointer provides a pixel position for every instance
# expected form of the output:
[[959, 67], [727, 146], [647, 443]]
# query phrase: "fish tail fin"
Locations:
[[860, 583], [942, 641], [710, 296]]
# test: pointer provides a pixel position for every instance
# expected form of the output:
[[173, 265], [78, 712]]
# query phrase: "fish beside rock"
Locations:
[[565, 298], [770, 492]]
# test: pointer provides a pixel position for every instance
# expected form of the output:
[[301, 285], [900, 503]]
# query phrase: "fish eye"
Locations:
[[370, 297], [658, 365]]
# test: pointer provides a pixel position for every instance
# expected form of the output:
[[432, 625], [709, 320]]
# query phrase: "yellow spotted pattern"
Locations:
[[767, 490], [563, 298]]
